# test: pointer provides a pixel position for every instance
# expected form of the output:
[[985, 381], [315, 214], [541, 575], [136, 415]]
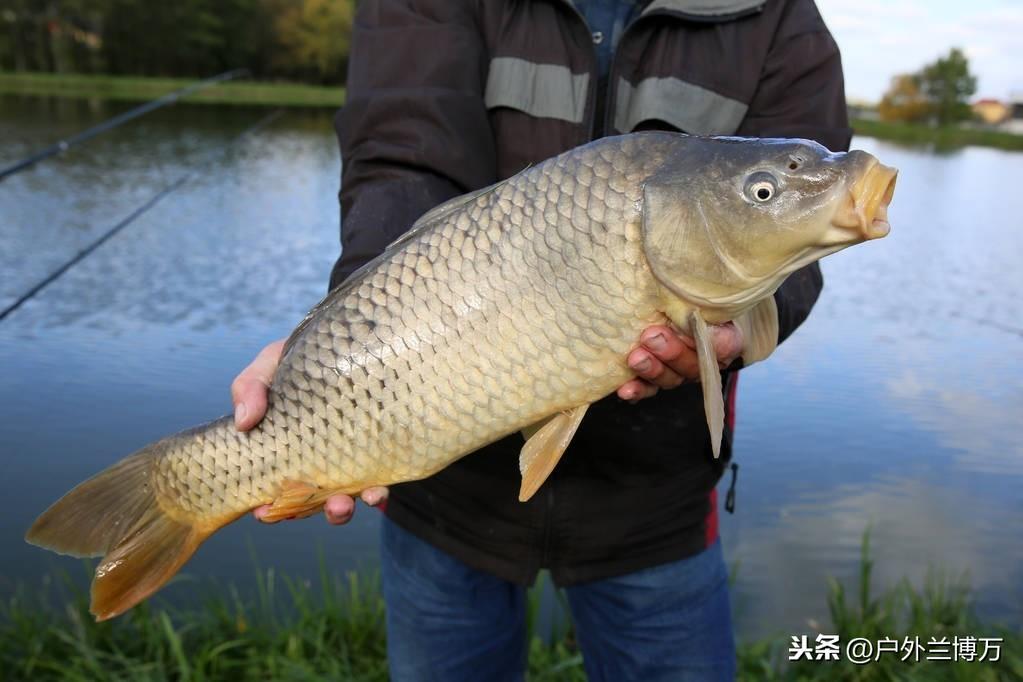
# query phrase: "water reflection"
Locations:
[[143, 337]]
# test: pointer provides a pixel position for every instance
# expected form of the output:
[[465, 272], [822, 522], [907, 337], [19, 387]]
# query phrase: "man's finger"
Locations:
[[260, 512], [648, 367], [672, 349], [248, 391], [375, 495], [636, 389], [728, 342], [339, 509]]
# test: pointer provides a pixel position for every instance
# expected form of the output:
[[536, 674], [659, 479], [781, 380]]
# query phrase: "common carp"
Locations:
[[509, 309]]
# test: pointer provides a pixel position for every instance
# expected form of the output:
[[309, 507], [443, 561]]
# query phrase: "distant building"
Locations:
[[991, 111], [1014, 123], [859, 109]]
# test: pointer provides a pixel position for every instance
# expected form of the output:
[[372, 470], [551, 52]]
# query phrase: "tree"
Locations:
[[904, 101], [948, 85], [298, 39], [314, 37]]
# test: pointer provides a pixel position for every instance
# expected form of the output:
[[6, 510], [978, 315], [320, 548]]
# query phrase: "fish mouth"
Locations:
[[865, 207]]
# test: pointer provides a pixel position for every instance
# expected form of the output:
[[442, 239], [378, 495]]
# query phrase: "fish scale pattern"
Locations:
[[494, 314]]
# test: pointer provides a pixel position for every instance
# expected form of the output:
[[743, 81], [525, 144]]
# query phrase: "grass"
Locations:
[[293, 630], [940, 608], [134, 88], [949, 137]]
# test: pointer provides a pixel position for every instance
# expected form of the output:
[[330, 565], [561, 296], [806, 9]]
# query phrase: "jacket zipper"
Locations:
[[612, 82], [591, 91]]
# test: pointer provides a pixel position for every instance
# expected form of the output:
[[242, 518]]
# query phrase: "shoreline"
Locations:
[[268, 93], [945, 138], [141, 89]]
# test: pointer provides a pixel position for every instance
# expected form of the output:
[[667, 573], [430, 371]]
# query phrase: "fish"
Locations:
[[509, 309]]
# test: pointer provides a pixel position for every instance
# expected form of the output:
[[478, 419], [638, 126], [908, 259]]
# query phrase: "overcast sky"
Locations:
[[880, 38]]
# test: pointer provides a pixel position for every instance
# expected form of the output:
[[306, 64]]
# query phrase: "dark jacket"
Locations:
[[448, 96]]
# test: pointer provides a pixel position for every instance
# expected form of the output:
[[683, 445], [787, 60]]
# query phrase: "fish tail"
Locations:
[[116, 515]]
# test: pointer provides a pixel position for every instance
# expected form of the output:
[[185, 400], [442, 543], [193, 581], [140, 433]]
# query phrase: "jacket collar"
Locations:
[[700, 9]]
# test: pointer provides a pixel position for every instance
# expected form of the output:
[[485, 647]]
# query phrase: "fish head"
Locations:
[[725, 220]]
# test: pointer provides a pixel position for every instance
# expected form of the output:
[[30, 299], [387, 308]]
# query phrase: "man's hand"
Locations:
[[248, 393], [667, 358]]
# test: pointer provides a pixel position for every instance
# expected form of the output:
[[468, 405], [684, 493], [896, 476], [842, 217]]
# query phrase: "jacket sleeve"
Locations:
[[801, 94], [414, 130]]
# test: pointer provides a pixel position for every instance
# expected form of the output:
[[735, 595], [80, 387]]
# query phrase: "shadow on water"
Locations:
[[896, 405]]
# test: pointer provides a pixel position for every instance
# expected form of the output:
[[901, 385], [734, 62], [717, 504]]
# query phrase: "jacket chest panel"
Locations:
[[693, 76]]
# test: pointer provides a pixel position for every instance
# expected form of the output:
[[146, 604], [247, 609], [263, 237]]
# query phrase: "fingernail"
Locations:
[[372, 499], [641, 366], [656, 343], [239, 413]]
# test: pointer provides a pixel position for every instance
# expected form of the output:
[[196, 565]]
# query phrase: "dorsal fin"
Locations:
[[434, 216], [442, 211]]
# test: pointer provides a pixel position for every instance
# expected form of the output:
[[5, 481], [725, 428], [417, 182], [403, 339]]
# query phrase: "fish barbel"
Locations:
[[511, 308]]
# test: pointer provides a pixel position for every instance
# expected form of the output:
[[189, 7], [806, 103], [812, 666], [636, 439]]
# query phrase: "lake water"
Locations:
[[896, 406]]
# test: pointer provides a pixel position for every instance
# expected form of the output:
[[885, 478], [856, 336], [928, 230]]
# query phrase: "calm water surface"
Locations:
[[896, 406]]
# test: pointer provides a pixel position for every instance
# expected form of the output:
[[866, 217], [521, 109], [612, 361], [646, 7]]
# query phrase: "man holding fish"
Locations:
[[442, 100], [501, 299]]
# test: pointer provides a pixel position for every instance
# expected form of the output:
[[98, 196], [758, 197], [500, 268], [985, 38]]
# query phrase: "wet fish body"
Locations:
[[510, 307]]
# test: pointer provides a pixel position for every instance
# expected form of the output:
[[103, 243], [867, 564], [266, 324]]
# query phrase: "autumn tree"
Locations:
[[904, 100], [313, 36]]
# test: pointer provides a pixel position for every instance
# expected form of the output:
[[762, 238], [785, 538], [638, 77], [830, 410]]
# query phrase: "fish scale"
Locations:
[[509, 309], [421, 321]]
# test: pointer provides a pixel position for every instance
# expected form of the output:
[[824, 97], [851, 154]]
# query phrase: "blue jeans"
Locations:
[[449, 622]]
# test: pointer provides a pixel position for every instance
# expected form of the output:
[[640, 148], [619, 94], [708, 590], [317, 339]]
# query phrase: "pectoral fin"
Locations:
[[759, 330], [710, 377], [544, 449], [531, 430]]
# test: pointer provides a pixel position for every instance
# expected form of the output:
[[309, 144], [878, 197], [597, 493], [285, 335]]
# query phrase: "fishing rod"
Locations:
[[130, 218], [65, 144]]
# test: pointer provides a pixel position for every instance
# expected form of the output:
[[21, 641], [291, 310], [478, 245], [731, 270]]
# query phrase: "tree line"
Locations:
[[304, 40], [939, 93]]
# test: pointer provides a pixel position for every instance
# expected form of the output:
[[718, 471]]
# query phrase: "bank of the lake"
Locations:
[[136, 88], [336, 630], [946, 137], [132, 88]]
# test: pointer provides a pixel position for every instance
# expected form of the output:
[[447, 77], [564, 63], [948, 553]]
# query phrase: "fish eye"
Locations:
[[761, 187]]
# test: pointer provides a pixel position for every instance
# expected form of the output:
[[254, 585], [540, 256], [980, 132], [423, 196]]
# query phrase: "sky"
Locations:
[[880, 38]]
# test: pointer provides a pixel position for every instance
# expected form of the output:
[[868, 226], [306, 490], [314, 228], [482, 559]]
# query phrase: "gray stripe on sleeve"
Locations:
[[542, 90]]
